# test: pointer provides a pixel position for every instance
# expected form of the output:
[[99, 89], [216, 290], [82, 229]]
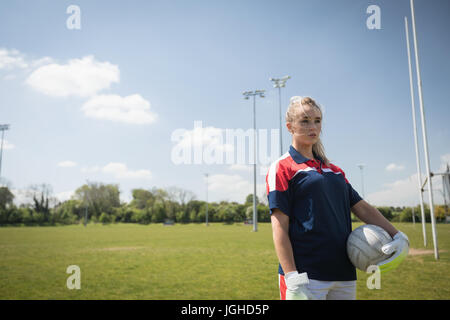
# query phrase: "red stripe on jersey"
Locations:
[[283, 287], [282, 171]]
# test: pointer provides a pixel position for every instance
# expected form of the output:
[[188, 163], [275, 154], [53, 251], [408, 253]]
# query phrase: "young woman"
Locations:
[[310, 201]]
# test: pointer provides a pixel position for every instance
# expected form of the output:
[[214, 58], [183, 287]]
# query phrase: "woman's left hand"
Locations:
[[400, 247]]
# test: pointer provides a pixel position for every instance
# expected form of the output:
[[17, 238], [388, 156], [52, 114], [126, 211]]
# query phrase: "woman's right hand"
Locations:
[[296, 286]]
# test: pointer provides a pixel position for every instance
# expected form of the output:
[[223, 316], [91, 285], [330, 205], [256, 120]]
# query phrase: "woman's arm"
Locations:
[[370, 215], [283, 247]]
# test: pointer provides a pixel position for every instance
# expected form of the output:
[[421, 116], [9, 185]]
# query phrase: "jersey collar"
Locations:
[[297, 156]]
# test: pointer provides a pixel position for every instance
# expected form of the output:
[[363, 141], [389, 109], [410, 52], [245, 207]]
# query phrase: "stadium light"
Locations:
[[3, 128], [247, 95], [280, 83]]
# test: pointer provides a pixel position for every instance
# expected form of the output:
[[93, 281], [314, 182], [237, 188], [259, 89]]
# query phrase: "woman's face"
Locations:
[[306, 127]]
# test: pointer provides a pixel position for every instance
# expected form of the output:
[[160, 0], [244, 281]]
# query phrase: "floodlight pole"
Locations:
[[361, 166], [424, 133], [280, 83], [419, 170], [3, 128], [206, 215], [247, 94], [87, 204]]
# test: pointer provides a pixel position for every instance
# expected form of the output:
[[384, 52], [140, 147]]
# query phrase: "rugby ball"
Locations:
[[364, 246]]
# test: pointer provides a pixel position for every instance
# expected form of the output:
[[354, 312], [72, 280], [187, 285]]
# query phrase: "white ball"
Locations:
[[364, 246]]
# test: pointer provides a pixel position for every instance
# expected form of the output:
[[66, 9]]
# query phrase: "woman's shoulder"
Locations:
[[283, 165], [335, 168]]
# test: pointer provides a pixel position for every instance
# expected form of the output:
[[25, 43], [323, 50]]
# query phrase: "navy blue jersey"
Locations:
[[317, 198]]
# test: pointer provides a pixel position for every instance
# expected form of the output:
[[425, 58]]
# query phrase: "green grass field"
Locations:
[[130, 261]]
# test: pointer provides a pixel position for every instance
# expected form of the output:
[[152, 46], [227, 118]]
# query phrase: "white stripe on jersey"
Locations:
[[329, 170], [272, 175], [306, 169]]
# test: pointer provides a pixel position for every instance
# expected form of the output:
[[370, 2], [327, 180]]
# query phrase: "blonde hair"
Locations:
[[295, 106]]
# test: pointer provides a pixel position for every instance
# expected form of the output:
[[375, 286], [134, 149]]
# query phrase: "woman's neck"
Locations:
[[304, 150]]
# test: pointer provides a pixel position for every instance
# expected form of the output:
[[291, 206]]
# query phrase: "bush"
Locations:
[[27, 216], [105, 218], [141, 216], [201, 215], [158, 212], [225, 214], [263, 213], [124, 214], [386, 212], [193, 216], [406, 215], [15, 216], [182, 216]]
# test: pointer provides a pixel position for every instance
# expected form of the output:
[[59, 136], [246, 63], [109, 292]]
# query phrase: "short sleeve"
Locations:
[[277, 187], [353, 196]]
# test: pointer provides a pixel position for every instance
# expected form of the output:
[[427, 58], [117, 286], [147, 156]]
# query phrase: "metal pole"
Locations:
[[1, 156], [362, 179], [247, 94], [206, 199], [85, 215], [424, 132], [281, 131], [419, 170], [255, 227], [87, 204]]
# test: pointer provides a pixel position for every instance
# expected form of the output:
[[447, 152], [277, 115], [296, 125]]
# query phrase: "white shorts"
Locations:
[[325, 290]]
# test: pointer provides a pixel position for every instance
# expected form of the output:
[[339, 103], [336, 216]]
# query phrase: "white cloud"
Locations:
[[232, 187], [241, 167], [394, 167], [41, 62], [131, 109], [67, 164], [248, 168], [445, 160], [404, 192], [120, 171], [10, 59], [64, 196], [79, 77], [21, 197], [93, 169]]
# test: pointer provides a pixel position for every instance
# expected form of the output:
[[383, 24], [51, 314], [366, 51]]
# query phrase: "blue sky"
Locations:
[[165, 64]]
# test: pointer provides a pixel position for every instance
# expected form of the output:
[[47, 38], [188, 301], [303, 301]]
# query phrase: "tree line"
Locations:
[[100, 203]]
